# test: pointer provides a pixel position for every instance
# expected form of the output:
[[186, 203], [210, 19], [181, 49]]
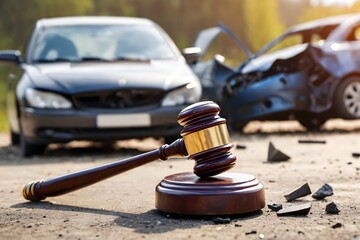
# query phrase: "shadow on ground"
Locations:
[[152, 221]]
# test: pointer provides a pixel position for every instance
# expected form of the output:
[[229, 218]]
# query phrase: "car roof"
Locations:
[[93, 20], [336, 20]]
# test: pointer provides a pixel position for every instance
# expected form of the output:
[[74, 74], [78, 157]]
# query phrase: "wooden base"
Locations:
[[224, 194]]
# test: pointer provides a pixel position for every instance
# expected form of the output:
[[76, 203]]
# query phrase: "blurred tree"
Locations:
[[320, 11], [17, 18], [261, 24], [291, 11], [115, 8]]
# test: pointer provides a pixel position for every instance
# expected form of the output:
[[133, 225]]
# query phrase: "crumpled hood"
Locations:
[[264, 62], [73, 78]]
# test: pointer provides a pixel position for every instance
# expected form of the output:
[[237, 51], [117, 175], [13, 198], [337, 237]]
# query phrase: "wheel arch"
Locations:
[[340, 80], [335, 105]]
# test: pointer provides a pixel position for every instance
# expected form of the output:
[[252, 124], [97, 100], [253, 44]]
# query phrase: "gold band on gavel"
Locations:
[[206, 138]]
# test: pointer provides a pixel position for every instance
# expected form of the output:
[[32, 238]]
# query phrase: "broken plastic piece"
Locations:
[[312, 141], [336, 225], [251, 232], [239, 146], [302, 209], [275, 155], [332, 208], [275, 207], [298, 193], [220, 220], [325, 191]]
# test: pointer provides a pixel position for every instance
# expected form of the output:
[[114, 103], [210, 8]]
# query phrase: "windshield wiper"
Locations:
[[53, 60], [95, 59], [98, 59], [131, 59]]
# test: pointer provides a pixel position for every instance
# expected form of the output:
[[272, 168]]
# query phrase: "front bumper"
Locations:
[[55, 126]]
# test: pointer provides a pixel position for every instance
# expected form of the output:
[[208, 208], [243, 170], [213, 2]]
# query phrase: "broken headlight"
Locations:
[[186, 95]]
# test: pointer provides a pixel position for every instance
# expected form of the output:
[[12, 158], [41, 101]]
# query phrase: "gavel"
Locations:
[[205, 139]]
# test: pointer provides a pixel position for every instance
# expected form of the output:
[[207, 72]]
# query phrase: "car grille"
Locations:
[[127, 98]]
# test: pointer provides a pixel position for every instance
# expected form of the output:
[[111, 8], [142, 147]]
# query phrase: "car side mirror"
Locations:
[[12, 56], [192, 54]]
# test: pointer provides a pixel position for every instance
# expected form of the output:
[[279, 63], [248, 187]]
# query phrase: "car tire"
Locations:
[[347, 98], [311, 122], [29, 149], [14, 138]]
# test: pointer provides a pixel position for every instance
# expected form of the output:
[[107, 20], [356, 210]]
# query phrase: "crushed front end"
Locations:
[[285, 87]]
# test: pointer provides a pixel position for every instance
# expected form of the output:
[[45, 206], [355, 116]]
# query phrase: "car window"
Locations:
[[354, 35], [105, 42]]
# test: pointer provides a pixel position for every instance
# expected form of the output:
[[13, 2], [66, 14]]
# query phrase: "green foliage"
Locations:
[[3, 117], [3, 120], [51, 8]]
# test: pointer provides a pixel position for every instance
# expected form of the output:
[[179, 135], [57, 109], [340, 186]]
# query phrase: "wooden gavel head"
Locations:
[[206, 139]]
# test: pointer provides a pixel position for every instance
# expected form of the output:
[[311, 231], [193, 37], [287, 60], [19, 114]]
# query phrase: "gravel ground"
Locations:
[[122, 207]]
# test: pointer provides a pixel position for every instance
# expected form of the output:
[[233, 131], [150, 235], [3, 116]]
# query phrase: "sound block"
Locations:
[[224, 194]]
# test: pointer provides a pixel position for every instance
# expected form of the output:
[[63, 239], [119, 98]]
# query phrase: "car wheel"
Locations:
[[311, 123], [347, 98], [14, 138], [29, 149]]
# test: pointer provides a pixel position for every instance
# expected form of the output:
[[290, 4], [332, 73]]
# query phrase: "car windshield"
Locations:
[[102, 43]]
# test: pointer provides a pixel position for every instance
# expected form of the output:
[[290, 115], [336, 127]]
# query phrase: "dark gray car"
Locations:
[[96, 78]]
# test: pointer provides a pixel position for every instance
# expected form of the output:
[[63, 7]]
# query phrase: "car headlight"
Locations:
[[41, 99], [188, 94]]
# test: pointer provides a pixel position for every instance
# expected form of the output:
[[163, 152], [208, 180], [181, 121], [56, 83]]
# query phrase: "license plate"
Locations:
[[123, 120]]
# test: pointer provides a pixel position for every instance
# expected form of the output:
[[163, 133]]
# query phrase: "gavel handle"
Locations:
[[39, 190]]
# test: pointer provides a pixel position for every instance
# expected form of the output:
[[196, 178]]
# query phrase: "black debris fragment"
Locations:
[[238, 146], [298, 193], [275, 207], [332, 208], [356, 155], [251, 232], [311, 141], [302, 209], [275, 155], [219, 220], [325, 191], [336, 225]]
